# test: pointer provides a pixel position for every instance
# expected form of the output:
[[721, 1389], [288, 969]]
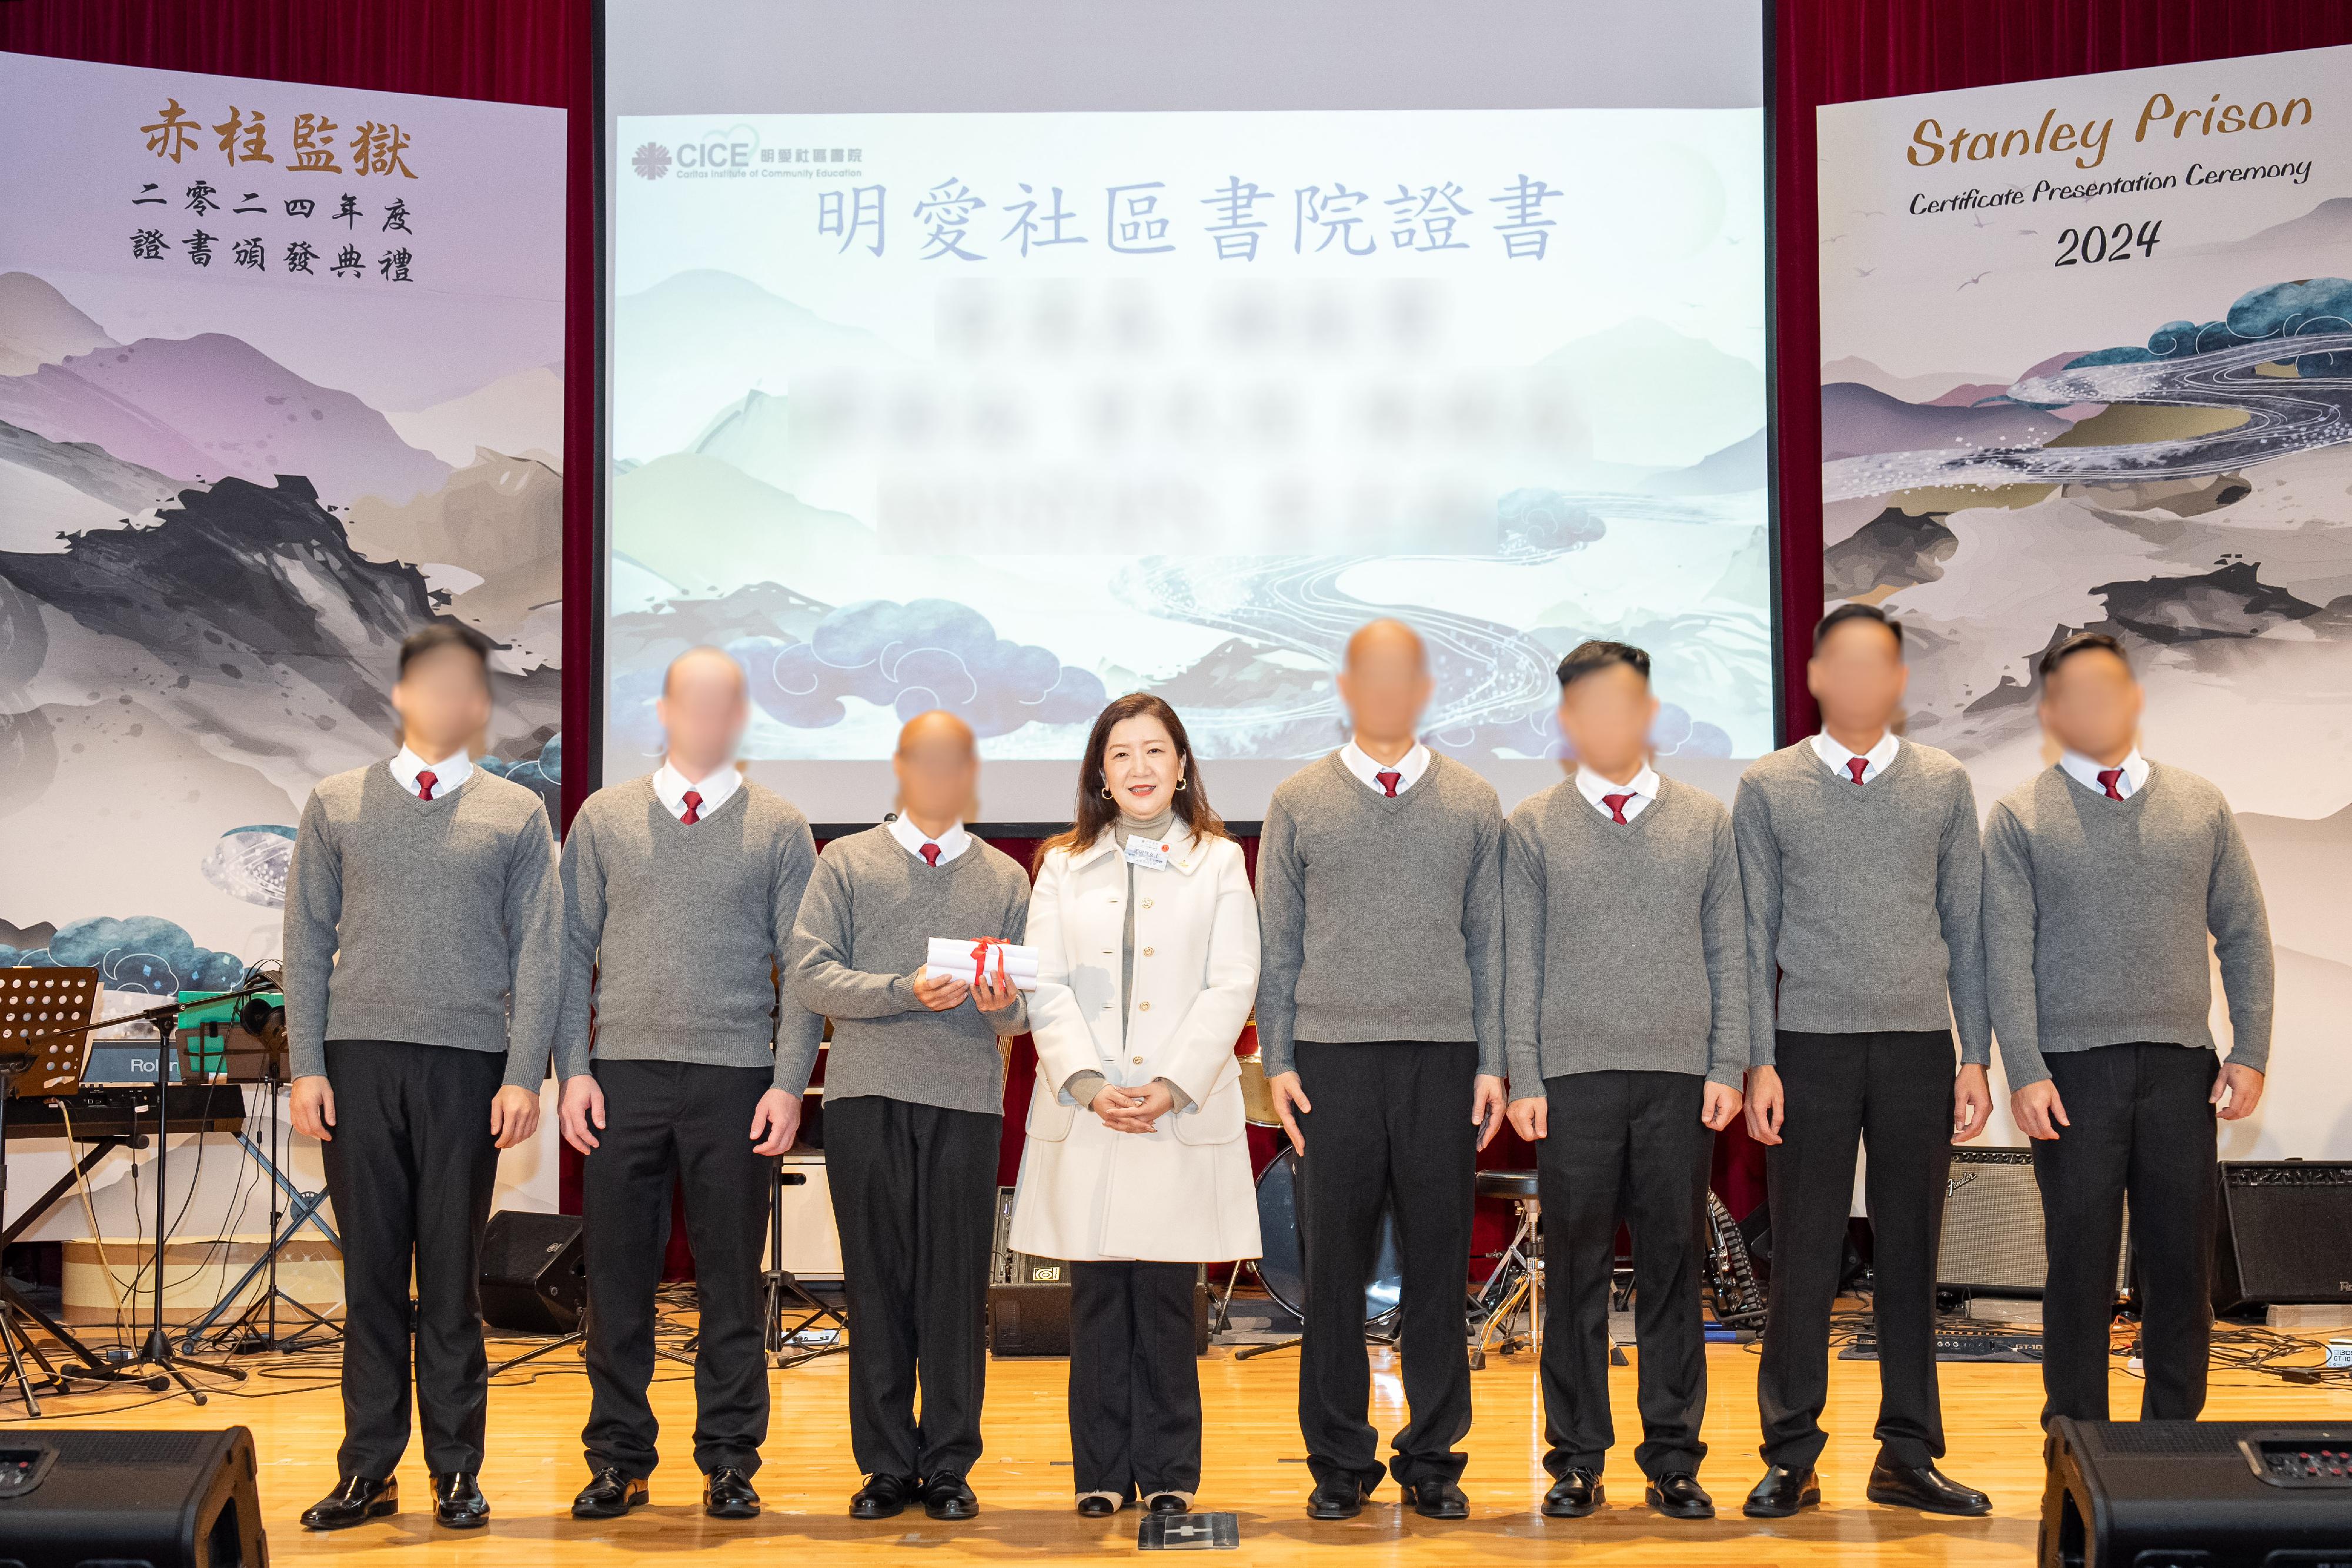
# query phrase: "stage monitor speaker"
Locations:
[[2285, 1233], [1034, 1320], [71, 1496], [534, 1273], [1992, 1239], [2195, 1494]]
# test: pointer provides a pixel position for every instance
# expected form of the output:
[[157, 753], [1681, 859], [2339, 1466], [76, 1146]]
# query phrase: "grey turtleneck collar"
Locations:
[[1153, 827]]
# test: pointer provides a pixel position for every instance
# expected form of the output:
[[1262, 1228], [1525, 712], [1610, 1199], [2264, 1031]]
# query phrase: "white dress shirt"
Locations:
[[2085, 772], [1409, 768], [671, 786], [448, 773], [1875, 762], [952, 842], [1643, 787]]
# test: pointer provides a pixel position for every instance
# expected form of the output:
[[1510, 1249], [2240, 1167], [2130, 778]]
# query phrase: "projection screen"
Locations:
[[1010, 355]]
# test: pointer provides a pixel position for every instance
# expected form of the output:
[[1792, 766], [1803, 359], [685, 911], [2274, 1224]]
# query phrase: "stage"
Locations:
[[1255, 1468]]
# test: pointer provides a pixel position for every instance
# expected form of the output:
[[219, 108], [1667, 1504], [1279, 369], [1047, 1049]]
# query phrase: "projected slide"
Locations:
[[1010, 412]]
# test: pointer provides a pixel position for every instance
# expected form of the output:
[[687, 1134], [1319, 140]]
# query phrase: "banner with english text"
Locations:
[[2087, 363]]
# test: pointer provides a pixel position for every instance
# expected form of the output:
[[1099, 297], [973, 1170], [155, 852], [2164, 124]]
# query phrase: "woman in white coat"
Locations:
[[1136, 1168]]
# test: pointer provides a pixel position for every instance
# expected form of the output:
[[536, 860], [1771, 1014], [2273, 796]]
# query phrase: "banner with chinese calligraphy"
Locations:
[[1095, 380], [280, 381], [2087, 363]]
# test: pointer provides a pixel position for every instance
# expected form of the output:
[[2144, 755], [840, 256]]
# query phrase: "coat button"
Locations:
[[1139, 1061], [1146, 904], [1147, 952], [1143, 1007]]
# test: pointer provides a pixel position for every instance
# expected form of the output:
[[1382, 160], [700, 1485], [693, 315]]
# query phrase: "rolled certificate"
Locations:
[[967, 958]]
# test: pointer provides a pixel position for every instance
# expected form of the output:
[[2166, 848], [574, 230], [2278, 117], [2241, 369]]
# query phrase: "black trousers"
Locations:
[[1893, 1091], [1624, 1146], [2138, 1124], [411, 1167], [686, 1124], [1135, 1390], [914, 1196], [1391, 1127]]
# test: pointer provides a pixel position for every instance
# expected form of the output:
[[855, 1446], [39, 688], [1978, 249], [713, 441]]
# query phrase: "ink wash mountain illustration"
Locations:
[[207, 563]]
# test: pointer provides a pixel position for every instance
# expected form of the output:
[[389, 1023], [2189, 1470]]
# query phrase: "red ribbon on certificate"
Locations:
[[980, 958]]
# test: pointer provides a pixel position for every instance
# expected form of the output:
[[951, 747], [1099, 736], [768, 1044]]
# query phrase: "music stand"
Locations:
[[43, 1013]]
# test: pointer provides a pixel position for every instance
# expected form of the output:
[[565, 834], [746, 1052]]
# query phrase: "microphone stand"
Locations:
[[157, 1352]]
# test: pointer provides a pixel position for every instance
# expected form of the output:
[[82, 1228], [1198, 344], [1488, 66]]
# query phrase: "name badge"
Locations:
[[1149, 854]]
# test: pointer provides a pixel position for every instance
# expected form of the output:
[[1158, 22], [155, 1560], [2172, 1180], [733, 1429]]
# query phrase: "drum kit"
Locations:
[[1505, 1313]]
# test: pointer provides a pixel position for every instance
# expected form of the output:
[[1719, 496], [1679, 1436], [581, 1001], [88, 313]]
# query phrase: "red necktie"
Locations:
[[693, 798], [1856, 765], [1616, 804], [1389, 781], [2107, 777], [930, 853], [425, 782]]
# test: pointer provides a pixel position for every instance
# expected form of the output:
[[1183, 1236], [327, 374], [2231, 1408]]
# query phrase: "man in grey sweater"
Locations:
[[1859, 861], [2104, 876], [680, 890], [914, 1111], [423, 923], [1379, 1019], [1625, 991]]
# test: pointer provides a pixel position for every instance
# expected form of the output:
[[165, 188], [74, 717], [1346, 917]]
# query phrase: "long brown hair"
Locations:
[[1096, 812]]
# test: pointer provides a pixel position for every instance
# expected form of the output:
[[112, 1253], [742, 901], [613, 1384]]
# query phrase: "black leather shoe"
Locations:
[[948, 1496], [1168, 1502], [1096, 1506], [609, 1494], [1926, 1489], [1677, 1495], [1342, 1497], [356, 1501], [1782, 1492], [1436, 1499], [727, 1494], [884, 1497], [1574, 1495], [459, 1503]]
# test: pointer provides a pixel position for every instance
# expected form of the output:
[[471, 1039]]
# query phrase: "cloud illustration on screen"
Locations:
[[913, 657]]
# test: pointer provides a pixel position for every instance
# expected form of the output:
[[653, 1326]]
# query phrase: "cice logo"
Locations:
[[651, 161]]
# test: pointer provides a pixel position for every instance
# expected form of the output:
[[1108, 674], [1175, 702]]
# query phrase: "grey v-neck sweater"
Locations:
[[2095, 915], [432, 922], [675, 933], [1625, 947], [865, 926], [1861, 900], [1380, 918]]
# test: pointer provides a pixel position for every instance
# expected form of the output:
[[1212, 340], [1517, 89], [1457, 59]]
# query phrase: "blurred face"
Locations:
[[1142, 765], [1606, 716], [938, 769], [2091, 704], [703, 709], [1857, 674], [444, 702], [1386, 683]]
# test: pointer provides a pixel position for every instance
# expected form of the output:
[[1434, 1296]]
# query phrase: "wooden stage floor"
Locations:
[[1252, 1468]]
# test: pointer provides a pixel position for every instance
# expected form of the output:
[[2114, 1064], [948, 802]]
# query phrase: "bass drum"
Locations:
[[1283, 1268]]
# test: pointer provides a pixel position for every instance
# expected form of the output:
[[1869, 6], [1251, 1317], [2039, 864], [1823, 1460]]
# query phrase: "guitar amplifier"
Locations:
[[2197, 1494], [1992, 1241], [1034, 1319], [75, 1498], [2285, 1233]]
